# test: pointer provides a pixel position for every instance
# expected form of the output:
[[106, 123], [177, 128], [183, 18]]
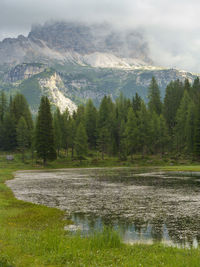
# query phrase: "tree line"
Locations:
[[122, 128]]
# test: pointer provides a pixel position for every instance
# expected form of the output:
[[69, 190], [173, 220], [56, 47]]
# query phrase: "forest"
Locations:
[[122, 128]]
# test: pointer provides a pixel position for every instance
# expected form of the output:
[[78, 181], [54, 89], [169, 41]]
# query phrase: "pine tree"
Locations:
[[3, 106], [18, 108], [81, 142], [154, 133], [187, 86], [155, 104], [72, 134], [57, 123], [136, 102], [45, 145], [173, 96], [180, 128], [190, 127], [66, 130], [91, 123], [122, 141], [105, 126], [22, 136], [196, 90], [197, 134], [163, 134], [9, 140], [132, 134], [144, 129]]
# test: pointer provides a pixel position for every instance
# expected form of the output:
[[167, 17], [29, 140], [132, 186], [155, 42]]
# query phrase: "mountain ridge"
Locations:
[[85, 61]]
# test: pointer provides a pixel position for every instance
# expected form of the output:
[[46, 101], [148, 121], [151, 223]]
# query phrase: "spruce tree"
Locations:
[[91, 123], [132, 133], [122, 141], [3, 106], [72, 135], [65, 126], [45, 145], [18, 108], [22, 136], [155, 104], [81, 142], [180, 128], [190, 127], [136, 102], [196, 149], [163, 134], [154, 133], [57, 123], [144, 129], [173, 96], [105, 126], [9, 136]]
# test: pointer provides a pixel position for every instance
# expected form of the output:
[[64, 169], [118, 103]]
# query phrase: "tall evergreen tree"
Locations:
[[144, 129], [196, 89], [136, 102], [180, 128], [66, 130], [173, 95], [19, 108], [81, 142], [122, 141], [105, 126], [22, 136], [197, 134], [163, 135], [45, 145], [190, 124], [72, 134], [3, 106], [91, 123], [154, 133], [57, 123], [132, 133], [9, 138], [187, 86], [155, 104]]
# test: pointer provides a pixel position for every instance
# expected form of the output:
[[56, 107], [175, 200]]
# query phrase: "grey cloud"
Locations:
[[171, 26]]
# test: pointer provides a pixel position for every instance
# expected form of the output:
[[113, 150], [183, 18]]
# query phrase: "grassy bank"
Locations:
[[189, 168], [33, 235]]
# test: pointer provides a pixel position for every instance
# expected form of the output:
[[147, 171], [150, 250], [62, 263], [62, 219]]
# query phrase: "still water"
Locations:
[[143, 206]]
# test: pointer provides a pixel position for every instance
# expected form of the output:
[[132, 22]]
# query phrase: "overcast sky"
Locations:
[[172, 27]]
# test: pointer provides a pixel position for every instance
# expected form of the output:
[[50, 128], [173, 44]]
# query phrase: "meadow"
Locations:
[[34, 235]]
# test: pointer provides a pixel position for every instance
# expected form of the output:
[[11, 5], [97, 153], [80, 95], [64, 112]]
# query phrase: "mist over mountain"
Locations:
[[71, 62], [59, 39]]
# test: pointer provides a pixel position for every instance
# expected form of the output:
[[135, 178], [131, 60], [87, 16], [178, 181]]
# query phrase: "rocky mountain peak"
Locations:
[[70, 41]]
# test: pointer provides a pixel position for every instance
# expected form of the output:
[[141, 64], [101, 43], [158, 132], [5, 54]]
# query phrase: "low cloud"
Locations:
[[171, 27]]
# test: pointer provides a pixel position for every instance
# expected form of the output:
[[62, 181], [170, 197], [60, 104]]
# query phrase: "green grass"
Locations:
[[33, 235], [192, 168]]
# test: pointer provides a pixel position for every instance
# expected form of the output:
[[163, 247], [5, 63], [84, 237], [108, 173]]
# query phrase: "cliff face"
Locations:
[[23, 71], [71, 62], [70, 42], [52, 87]]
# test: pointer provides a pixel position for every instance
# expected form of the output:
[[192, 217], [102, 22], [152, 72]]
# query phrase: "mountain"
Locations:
[[71, 62]]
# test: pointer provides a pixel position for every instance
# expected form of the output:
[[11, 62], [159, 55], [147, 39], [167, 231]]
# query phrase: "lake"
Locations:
[[143, 206]]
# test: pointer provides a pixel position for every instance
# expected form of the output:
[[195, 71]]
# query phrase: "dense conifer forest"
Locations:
[[121, 128]]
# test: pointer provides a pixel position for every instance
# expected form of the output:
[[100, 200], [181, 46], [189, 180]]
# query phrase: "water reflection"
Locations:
[[175, 233], [143, 207]]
